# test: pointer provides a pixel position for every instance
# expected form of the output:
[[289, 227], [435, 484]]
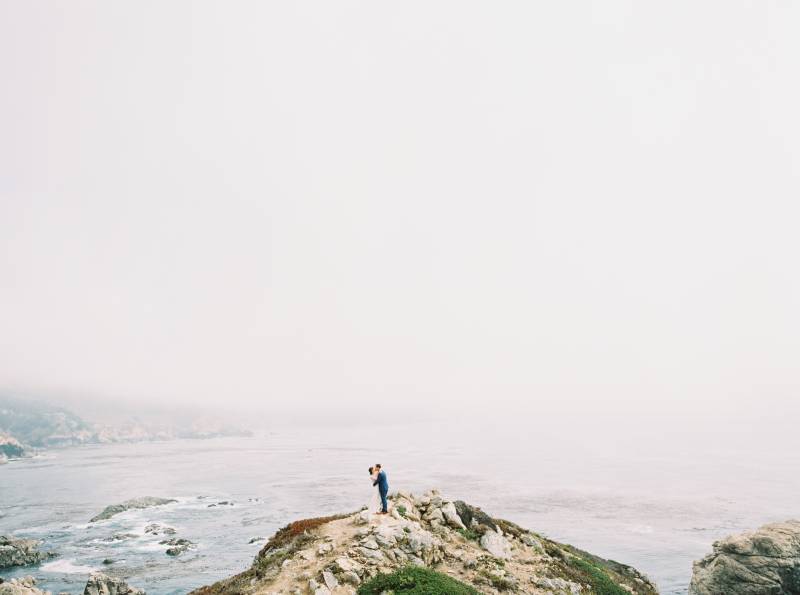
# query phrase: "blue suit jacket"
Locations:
[[382, 483]]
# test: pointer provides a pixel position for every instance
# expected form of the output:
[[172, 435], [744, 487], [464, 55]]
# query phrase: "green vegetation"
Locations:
[[498, 582], [415, 580], [401, 510], [470, 534], [288, 533], [598, 579]]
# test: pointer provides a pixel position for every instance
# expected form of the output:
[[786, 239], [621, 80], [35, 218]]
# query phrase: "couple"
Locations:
[[378, 477]]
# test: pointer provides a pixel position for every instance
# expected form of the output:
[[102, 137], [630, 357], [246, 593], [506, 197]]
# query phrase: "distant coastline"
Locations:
[[29, 427]]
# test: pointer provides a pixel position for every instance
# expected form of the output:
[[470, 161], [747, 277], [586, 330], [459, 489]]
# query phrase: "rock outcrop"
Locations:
[[177, 545], [21, 586], [10, 447], [764, 562], [98, 584], [335, 555], [20, 552], [135, 503], [102, 584]]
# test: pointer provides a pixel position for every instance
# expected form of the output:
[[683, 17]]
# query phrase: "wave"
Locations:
[[66, 567]]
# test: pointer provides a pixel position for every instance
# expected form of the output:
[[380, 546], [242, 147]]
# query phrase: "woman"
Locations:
[[374, 502]]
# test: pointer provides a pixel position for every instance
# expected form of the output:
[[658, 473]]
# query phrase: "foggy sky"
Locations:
[[350, 205]]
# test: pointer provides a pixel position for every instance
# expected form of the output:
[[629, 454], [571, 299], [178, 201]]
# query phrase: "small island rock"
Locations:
[[133, 504], [102, 584]]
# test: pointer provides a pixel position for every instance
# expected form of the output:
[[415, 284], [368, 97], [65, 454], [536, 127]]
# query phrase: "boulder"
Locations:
[[133, 504], [496, 545], [557, 585], [157, 529], [102, 584], [763, 562], [177, 546], [329, 580], [434, 514], [473, 516], [451, 516], [20, 552], [21, 586], [532, 541], [343, 564], [362, 518], [10, 447]]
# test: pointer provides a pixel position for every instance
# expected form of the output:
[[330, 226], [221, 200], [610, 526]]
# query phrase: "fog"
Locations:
[[399, 210]]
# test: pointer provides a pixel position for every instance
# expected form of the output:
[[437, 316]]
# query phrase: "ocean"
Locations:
[[657, 509]]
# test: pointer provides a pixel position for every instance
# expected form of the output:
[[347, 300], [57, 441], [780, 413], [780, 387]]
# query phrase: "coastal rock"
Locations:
[[330, 580], [558, 585], [177, 546], [451, 516], [763, 562], [21, 586], [133, 504], [532, 541], [473, 516], [20, 552], [10, 447], [496, 545], [156, 529], [102, 584], [353, 549]]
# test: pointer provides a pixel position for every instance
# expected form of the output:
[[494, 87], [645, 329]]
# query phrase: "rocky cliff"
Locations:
[[764, 562], [20, 552], [426, 544]]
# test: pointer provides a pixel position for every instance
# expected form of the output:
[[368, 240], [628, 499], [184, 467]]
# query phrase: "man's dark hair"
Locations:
[[378, 465]]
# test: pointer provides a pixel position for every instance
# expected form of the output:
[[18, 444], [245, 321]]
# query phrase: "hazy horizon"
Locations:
[[353, 209]]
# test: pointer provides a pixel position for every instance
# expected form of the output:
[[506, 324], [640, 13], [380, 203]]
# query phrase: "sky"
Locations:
[[403, 208]]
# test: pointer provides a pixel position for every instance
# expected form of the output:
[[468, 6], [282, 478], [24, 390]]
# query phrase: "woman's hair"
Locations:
[[370, 470]]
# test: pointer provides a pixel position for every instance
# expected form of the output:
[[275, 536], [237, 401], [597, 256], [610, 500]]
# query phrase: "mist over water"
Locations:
[[652, 507], [542, 256]]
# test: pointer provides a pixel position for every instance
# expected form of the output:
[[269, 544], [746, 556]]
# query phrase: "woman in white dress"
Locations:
[[374, 502]]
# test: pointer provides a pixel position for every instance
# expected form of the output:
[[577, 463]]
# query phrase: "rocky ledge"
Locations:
[[135, 503], [425, 539], [21, 552], [98, 584], [764, 562]]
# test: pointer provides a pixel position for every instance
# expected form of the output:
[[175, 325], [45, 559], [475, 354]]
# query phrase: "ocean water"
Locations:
[[654, 508]]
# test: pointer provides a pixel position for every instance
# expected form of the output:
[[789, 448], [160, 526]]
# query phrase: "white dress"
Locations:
[[374, 504]]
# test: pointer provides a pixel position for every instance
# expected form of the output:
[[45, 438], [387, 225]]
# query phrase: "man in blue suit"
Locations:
[[383, 488]]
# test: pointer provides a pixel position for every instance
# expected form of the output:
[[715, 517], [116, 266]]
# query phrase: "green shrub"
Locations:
[[598, 579], [470, 534], [415, 580], [402, 510]]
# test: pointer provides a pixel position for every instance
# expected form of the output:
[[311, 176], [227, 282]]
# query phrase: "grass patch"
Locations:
[[470, 534], [600, 582], [401, 510], [415, 580], [285, 535]]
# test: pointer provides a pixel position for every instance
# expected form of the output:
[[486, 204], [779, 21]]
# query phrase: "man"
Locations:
[[383, 488]]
